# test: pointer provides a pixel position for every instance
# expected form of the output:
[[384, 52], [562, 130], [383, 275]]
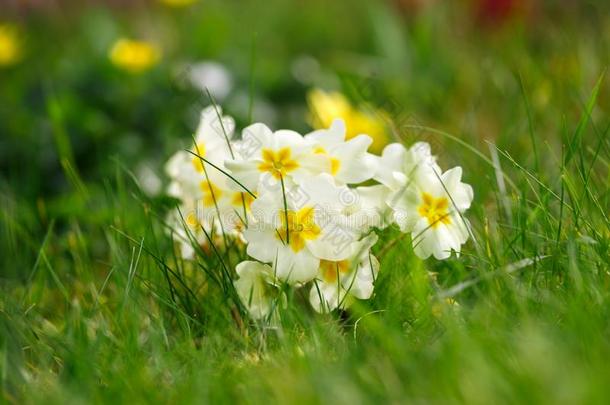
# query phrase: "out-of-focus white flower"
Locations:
[[267, 157], [256, 288], [149, 181], [339, 282], [349, 161], [305, 69], [294, 240], [211, 76]]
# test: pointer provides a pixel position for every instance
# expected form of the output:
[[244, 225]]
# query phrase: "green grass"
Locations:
[[97, 306]]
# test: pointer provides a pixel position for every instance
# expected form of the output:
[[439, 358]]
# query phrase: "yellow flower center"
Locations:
[[331, 270], [335, 164], [197, 161], [436, 210], [242, 198], [211, 193], [300, 228], [278, 163], [191, 220], [134, 56]]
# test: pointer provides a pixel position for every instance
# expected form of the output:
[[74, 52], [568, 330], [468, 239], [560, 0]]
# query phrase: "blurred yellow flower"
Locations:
[[324, 107], [178, 3], [10, 46], [134, 56]]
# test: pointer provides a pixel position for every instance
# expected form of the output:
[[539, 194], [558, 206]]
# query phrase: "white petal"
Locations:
[[310, 165], [294, 267], [362, 285], [288, 138], [175, 163], [392, 159], [333, 243], [374, 211], [262, 244], [461, 193], [325, 297], [254, 137], [355, 164], [213, 130], [246, 172], [251, 287]]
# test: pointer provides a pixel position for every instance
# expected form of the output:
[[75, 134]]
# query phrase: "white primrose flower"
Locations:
[[207, 193], [222, 204], [213, 137], [339, 282], [349, 161], [267, 157], [210, 76], [220, 208], [431, 208], [212, 143], [185, 178], [397, 166], [186, 227], [295, 239], [215, 211], [256, 288]]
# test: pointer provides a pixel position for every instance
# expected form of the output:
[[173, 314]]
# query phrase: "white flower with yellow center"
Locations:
[[349, 161], [339, 282], [431, 208], [220, 207], [268, 157], [212, 143], [218, 211], [256, 288], [294, 233], [425, 201], [186, 226]]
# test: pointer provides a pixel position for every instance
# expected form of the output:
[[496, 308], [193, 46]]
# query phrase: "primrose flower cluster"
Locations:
[[307, 207]]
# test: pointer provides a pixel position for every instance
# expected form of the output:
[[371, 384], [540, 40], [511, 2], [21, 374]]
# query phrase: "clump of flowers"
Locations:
[[308, 207]]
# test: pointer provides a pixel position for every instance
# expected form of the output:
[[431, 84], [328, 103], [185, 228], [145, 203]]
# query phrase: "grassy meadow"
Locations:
[[97, 306]]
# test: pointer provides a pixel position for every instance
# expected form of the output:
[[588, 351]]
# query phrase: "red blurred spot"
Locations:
[[493, 11]]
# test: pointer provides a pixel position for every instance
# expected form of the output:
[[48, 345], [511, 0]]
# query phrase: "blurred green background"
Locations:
[[69, 116], [451, 65], [83, 141]]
